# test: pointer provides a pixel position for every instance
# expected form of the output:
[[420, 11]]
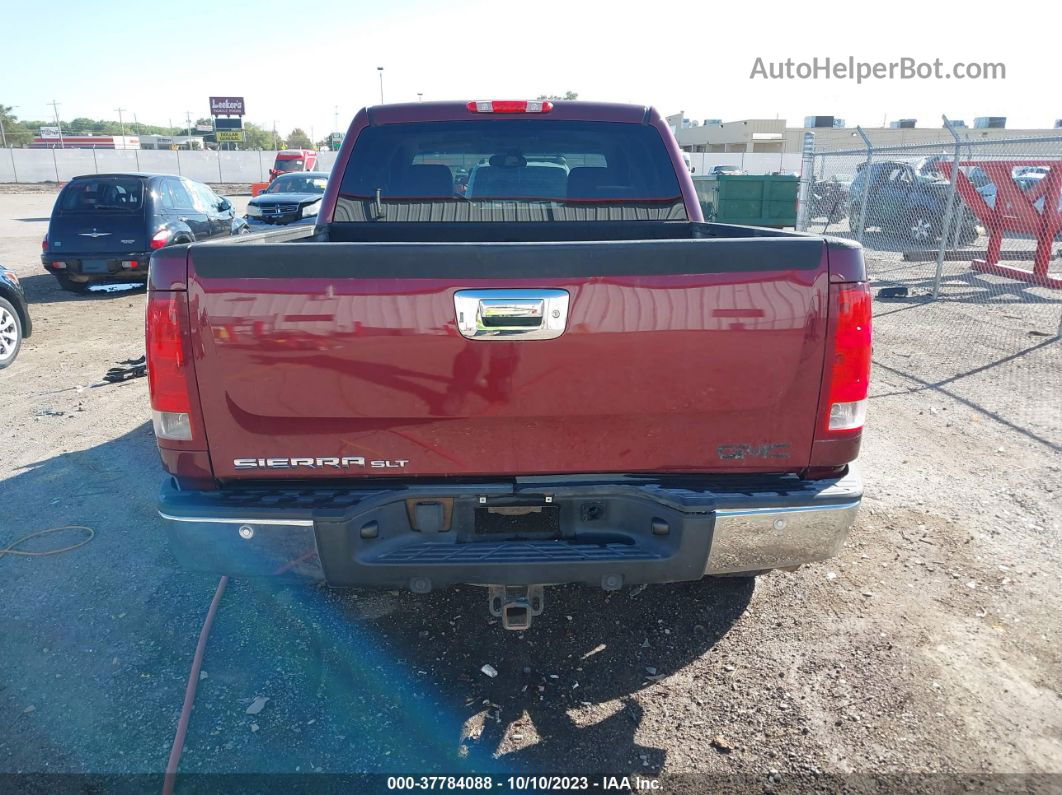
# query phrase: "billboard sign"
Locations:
[[49, 132], [230, 135], [228, 124], [226, 106]]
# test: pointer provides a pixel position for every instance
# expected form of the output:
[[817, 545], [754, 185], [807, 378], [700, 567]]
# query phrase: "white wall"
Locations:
[[752, 162], [51, 165]]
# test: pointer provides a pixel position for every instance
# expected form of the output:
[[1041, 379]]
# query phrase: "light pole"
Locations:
[[59, 124], [275, 148], [379, 69], [188, 130], [420, 96], [120, 122]]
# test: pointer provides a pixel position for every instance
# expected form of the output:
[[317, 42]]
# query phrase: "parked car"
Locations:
[[906, 203], [292, 160], [829, 199], [716, 171], [104, 227], [288, 161], [15, 323], [509, 389], [1026, 179], [289, 199]]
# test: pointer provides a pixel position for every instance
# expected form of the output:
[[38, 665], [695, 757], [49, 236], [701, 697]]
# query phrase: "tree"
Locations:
[[298, 139], [16, 132], [256, 136], [567, 95]]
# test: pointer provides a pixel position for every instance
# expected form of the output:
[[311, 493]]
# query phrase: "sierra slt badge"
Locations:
[[345, 462]]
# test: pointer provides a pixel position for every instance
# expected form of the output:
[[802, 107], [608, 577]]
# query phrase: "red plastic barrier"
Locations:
[[1015, 211]]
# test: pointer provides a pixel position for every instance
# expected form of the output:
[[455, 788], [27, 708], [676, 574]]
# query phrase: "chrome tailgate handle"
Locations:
[[507, 314]]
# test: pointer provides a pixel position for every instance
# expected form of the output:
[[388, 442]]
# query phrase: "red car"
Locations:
[[560, 375], [288, 161]]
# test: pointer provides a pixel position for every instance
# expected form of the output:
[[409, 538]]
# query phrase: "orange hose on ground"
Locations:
[[189, 691]]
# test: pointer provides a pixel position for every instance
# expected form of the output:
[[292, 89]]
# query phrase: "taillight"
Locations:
[[510, 106], [169, 365], [44, 243], [161, 238], [849, 374]]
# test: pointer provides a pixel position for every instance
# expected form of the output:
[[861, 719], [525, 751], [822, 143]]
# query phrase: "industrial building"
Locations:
[[775, 136]]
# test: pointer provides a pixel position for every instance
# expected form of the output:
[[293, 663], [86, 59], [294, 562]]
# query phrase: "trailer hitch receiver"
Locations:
[[515, 605]]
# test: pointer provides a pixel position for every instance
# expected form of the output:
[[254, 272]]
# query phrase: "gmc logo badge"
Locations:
[[743, 452]]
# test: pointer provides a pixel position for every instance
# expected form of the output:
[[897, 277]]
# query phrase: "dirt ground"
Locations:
[[929, 646]]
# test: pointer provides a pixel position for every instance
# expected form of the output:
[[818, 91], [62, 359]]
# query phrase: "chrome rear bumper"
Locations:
[[751, 538], [643, 530]]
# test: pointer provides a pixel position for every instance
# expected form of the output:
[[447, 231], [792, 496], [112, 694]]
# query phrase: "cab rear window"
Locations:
[[102, 194], [510, 170]]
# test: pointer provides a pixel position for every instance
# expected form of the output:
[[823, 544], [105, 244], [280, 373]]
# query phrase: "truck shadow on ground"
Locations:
[[404, 675], [356, 680]]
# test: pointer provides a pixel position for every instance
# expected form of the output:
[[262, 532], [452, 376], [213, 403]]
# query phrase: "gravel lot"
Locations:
[[931, 645]]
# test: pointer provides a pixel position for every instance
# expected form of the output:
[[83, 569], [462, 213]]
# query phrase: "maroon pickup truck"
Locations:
[[511, 354]]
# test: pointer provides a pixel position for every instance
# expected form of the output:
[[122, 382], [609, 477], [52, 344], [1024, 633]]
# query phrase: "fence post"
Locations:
[[949, 210], [13, 169], [95, 164], [260, 165], [807, 177], [178, 150], [55, 165], [861, 226], [218, 150]]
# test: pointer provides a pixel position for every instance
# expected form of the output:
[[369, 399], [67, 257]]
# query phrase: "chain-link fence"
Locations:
[[968, 228]]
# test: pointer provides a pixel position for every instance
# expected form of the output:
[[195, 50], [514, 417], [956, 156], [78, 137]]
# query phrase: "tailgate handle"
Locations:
[[504, 314]]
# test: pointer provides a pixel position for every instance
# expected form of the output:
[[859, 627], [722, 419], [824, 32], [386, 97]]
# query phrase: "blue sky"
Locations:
[[159, 60]]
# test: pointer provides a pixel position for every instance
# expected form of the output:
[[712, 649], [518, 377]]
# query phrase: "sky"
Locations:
[[303, 66]]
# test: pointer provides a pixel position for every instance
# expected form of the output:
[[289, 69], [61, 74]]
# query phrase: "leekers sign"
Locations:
[[226, 106]]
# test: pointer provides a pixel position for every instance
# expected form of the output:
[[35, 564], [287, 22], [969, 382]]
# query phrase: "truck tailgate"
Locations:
[[326, 360]]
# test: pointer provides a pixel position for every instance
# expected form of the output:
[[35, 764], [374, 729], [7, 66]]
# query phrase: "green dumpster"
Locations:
[[750, 199]]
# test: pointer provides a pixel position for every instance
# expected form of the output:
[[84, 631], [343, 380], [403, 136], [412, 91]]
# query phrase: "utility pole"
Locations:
[[120, 122], [380, 70], [188, 118], [336, 128], [3, 135], [59, 124], [275, 147], [420, 96]]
